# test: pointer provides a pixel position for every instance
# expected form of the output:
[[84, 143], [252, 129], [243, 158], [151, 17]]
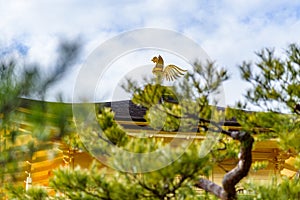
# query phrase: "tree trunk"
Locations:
[[228, 191]]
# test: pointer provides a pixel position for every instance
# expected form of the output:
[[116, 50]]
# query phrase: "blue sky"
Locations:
[[229, 31]]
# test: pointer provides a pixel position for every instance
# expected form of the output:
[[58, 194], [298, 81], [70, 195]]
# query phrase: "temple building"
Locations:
[[37, 169]]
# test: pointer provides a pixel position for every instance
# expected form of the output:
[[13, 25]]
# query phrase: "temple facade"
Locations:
[[38, 168]]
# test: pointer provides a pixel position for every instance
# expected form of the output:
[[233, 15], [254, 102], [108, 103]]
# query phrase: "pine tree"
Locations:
[[274, 90]]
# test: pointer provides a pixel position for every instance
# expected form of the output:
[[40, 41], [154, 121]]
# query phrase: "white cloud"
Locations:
[[229, 30]]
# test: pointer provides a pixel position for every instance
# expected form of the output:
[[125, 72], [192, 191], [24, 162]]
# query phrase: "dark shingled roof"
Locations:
[[124, 110], [127, 110]]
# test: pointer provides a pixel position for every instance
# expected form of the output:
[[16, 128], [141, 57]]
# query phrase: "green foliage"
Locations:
[[283, 189], [173, 181], [274, 89], [259, 165], [224, 149], [34, 193], [274, 80], [23, 132], [13, 86], [151, 94], [84, 183], [203, 82], [159, 119], [114, 133]]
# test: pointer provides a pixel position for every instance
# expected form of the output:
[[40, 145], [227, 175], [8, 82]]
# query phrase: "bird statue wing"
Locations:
[[172, 72]]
